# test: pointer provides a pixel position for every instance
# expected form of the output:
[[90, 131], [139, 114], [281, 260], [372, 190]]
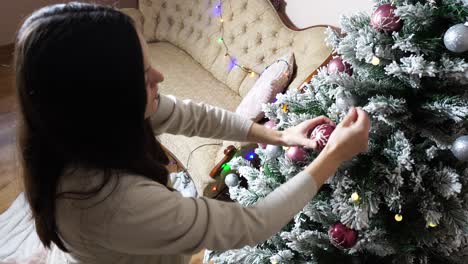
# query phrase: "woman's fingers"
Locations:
[[350, 118]]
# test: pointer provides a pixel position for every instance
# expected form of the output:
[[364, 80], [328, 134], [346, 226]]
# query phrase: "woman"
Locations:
[[94, 174]]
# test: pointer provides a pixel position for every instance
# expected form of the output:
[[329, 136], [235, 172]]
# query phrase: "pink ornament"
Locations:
[[296, 154], [270, 124], [341, 236], [263, 146], [321, 134], [384, 19], [338, 65]]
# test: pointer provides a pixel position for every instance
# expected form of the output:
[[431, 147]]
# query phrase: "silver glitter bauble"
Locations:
[[460, 148], [231, 180], [273, 151], [344, 100], [456, 38]]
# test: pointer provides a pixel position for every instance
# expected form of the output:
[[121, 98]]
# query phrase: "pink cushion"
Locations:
[[273, 80]]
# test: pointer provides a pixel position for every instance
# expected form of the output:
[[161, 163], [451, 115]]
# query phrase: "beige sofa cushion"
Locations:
[[186, 78], [253, 30]]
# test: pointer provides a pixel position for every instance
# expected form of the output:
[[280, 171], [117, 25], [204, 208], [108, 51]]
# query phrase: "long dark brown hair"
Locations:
[[82, 98]]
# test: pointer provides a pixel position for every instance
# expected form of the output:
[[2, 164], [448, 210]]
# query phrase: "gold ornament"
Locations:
[[375, 61], [398, 217], [431, 224], [252, 74], [285, 148], [355, 197], [285, 108]]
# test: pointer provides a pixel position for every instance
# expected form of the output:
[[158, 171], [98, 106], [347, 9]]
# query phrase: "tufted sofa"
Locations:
[[182, 37]]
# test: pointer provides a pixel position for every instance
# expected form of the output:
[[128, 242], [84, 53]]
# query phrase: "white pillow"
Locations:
[[272, 81]]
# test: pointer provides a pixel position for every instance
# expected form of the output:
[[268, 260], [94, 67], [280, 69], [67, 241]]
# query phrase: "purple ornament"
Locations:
[[384, 19], [341, 236], [338, 65], [321, 134], [296, 154]]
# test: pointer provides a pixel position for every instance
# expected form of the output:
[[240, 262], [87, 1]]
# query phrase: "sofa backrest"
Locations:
[[253, 32]]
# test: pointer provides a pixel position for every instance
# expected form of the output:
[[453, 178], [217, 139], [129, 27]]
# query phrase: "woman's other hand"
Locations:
[[299, 135], [350, 137]]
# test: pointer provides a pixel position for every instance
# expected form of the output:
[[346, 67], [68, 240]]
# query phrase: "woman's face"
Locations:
[[152, 78]]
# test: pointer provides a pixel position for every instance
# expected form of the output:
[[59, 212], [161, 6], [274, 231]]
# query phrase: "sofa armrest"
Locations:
[[136, 15], [228, 154]]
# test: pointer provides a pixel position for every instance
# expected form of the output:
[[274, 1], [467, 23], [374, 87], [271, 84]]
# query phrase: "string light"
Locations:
[[225, 167], [214, 188], [220, 40], [375, 61], [398, 217], [355, 197], [432, 224]]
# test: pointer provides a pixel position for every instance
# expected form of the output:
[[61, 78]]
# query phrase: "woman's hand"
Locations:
[[350, 137], [299, 135]]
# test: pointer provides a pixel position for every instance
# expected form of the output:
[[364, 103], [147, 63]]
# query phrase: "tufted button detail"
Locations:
[[209, 20], [170, 21], [274, 34], [245, 49], [190, 12], [231, 17], [244, 28], [244, 6], [259, 39], [261, 59], [199, 17], [177, 8], [274, 50], [164, 5], [232, 38], [182, 25], [291, 43], [199, 35]]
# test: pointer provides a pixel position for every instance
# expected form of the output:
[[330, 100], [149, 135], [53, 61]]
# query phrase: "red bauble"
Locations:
[[270, 124], [384, 19], [341, 236], [321, 134], [296, 154], [338, 65]]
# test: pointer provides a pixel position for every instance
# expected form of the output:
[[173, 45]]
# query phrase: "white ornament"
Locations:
[[344, 100], [460, 148], [273, 151], [456, 38], [231, 180]]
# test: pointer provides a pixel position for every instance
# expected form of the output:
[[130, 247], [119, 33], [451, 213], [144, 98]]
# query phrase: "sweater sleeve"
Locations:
[[191, 119], [154, 220]]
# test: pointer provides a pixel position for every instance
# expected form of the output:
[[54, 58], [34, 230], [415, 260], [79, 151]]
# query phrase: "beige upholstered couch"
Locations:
[[182, 36]]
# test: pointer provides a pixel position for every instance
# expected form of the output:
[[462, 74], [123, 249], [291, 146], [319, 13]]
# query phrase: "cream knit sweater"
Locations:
[[136, 220]]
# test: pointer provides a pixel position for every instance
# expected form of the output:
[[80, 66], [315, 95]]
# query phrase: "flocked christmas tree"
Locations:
[[406, 199]]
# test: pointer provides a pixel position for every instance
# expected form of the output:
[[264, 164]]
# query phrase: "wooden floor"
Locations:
[[10, 184]]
